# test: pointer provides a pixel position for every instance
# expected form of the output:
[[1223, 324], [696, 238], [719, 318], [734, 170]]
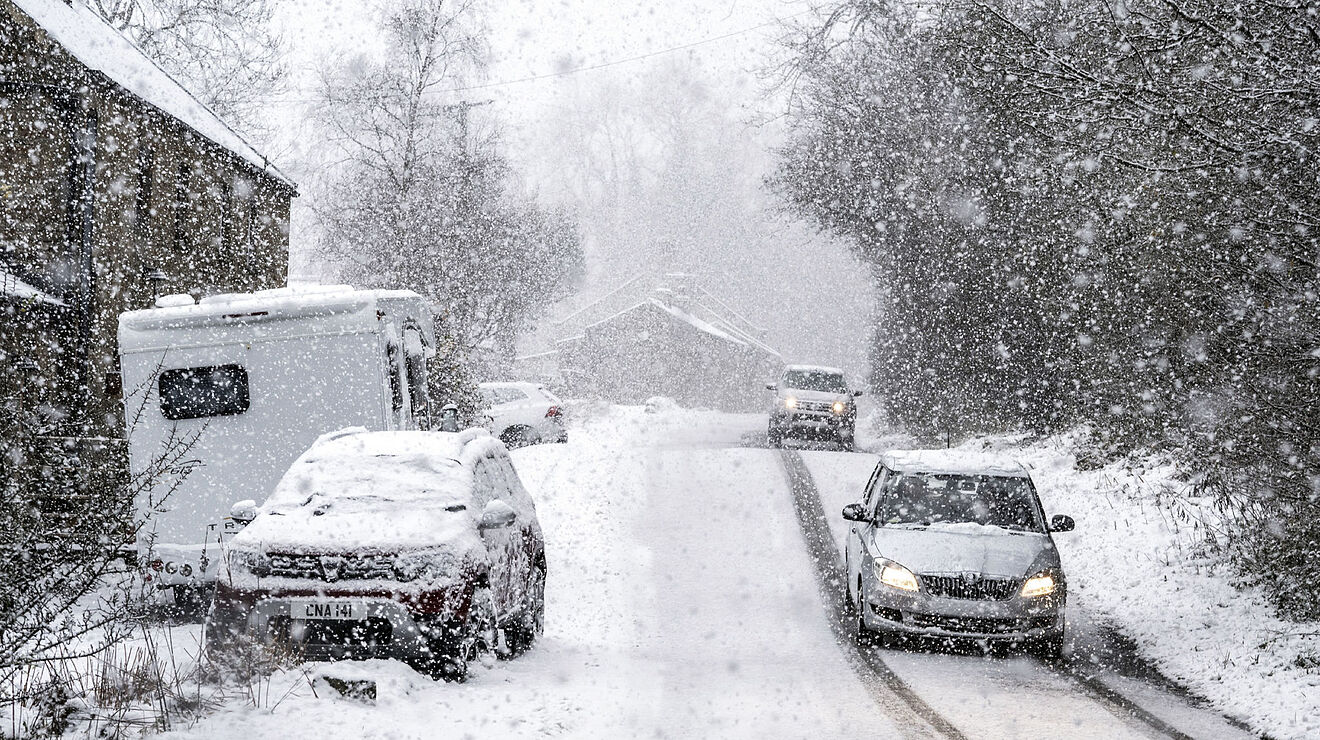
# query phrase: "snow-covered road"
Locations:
[[682, 602], [1017, 696]]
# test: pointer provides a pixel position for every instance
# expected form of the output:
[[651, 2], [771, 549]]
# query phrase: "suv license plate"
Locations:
[[329, 610]]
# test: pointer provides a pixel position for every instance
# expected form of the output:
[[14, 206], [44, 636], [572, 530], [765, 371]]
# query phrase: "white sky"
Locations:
[[820, 314]]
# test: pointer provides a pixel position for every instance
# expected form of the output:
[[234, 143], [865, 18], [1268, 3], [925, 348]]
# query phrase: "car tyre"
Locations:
[[846, 443], [866, 636], [519, 436], [775, 436], [1048, 649], [530, 625]]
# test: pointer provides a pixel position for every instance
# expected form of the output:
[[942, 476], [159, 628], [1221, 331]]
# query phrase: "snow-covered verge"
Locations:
[[1139, 559]]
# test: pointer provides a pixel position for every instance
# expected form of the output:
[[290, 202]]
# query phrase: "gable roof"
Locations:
[[12, 287], [712, 325], [101, 48]]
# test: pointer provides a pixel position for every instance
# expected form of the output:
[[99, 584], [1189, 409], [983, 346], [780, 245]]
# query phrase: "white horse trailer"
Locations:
[[222, 395]]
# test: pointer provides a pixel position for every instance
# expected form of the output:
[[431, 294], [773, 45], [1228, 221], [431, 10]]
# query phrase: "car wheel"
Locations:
[[865, 635], [1048, 648], [846, 441], [519, 436], [522, 634], [775, 436]]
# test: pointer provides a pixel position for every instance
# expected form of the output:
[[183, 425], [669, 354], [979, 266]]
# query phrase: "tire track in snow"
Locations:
[[895, 697], [829, 572]]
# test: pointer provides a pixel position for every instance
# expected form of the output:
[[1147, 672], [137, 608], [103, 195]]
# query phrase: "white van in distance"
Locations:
[[223, 394]]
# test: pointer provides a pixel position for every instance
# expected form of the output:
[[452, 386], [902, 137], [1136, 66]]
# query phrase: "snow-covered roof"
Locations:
[[722, 331], [98, 46], [952, 462], [266, 305], [11, 286]]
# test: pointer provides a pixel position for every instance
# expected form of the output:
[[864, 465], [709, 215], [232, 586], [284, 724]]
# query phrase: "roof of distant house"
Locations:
[[100, 47], [11, 286]]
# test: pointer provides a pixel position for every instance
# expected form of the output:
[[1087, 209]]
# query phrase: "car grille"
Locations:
[[968, 625], [978, 625], [332, 568], [974, 586]]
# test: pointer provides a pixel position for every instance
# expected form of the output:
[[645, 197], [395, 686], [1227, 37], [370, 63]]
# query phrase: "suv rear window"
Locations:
[[810, 380], [195, 392]]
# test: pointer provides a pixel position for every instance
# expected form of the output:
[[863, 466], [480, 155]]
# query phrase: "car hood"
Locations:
[[824, 396], [347, 526], [966, 548]]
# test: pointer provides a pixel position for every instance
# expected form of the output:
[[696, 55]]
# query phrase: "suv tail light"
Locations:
[[553, 412]]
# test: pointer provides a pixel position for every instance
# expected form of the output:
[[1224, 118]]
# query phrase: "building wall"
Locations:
[[87, 168], [647, 352]]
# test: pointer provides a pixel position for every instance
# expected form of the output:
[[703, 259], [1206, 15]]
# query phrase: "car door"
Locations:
[[525, 543], [489, 487], [857, 531]]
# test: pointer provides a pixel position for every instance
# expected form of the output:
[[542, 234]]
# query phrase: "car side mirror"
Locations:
[[856, 394], [496, 515], [772, 386], [855, 512], [1061, 523], [243, 512]]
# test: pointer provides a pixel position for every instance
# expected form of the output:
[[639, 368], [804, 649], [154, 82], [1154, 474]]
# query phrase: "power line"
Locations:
[[592, 67]]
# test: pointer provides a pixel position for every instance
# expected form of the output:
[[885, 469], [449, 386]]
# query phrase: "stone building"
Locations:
[[663, 337], [115, 183]]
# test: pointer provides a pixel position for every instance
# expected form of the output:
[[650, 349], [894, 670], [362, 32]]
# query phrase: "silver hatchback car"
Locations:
[[955, 546]]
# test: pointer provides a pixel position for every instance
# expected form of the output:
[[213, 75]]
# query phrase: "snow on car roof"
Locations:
[[92, 41], [952, 462], [397, 466], [814, 369]]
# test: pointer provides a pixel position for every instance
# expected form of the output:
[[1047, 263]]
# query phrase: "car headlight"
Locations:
[[790, 403], [896, 576], [840, 407], [425, 566], [249, 561], [1038, 585]]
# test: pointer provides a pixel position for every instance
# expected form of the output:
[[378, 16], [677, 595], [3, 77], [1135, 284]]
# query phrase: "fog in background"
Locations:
[[656, 124]]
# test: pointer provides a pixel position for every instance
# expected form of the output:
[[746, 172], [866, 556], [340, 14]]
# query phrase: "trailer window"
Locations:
[[195, 392]]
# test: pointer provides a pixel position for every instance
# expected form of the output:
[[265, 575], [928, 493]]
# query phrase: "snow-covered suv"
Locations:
[[420, 546], [812, 402]]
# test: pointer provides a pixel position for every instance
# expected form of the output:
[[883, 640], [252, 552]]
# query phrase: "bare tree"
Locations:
[[422, 198], [224, 51]]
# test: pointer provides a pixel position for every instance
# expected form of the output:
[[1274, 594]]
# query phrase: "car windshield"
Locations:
[[814, 380], [1007, 502]]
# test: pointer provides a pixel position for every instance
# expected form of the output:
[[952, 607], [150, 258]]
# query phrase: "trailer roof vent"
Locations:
[[175, 299]]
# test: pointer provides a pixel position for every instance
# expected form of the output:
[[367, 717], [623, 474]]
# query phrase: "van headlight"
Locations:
[[896, 576], [790, 403], [840, 407], [249, 561], [1041, 584], [426, 566]]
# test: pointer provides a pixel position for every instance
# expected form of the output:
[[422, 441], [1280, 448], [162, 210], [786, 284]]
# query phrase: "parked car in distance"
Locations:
[[812, 402], [953, 545], [419, 546], [524, 413]]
